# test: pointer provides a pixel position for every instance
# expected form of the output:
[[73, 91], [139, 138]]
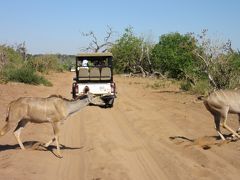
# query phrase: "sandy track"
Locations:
[[149, 134]]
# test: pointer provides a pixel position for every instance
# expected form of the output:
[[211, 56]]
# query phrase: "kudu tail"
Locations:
[[5, 128]]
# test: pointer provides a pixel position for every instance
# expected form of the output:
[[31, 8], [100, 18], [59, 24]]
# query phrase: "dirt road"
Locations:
[[147, 135]]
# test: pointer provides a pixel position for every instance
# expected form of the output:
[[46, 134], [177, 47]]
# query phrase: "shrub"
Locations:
[[24, 74], [185, 85], [173, 55], [201, 87], [131, 54], [9, 55]]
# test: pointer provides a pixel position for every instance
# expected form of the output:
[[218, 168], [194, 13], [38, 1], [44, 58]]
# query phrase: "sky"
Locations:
[[56, 26]]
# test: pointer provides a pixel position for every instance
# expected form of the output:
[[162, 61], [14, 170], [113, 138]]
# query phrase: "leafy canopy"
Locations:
[[173, 55], [126, 51]]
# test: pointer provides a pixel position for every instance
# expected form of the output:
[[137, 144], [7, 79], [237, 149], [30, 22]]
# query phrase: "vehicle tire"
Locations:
[[73, 93], [110, 103]]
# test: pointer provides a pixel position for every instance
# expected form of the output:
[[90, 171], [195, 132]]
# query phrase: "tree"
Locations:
[[21, 49], [95, 45], [219, 61], [173, 56], [131, 54]]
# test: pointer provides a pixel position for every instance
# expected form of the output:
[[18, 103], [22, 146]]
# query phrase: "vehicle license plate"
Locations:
[[102, 88]]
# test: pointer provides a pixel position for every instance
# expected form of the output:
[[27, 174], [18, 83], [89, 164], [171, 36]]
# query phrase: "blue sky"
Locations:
[[55, 26]]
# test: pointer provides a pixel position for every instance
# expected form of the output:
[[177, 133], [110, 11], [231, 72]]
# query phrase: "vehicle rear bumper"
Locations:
[[108, 97]]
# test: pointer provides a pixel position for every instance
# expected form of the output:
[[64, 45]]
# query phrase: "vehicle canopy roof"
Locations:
[[86, 55]]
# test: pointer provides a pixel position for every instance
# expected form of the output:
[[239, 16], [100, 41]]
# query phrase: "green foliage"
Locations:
[[66, 61], [14, 68], [194, 60], [126, 51], [131, 53], [218, 61], [201, 87], [8, 55], [185, 85], [173, 55], [25, 74], [226, 71], [234, 59]]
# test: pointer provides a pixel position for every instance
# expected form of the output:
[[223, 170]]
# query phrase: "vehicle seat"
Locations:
[[94, 74], [83, 74], [106, 73]]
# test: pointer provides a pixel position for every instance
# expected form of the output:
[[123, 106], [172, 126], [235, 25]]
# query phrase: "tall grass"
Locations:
[[201, 87], [46, 63]]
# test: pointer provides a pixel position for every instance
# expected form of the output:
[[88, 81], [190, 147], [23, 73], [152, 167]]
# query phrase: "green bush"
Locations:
[[24, 74], [11, 54], [127, 52], [173, 55], [201, 87], [185, 85]]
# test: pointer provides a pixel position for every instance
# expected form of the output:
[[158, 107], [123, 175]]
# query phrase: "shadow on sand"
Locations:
[[36, 145], [205, 142], [166, 91]]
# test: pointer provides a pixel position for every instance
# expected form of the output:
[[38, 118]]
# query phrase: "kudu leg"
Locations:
[[50, 142], [238, 130], [56, 137], [217, 120], [231, 130], [17, 132], [224, 124]]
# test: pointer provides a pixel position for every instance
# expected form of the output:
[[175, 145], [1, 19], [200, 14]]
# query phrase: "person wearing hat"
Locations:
[[85, 63]]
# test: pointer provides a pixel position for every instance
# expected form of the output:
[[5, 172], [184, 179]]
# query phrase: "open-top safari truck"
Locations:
[[94, 72]]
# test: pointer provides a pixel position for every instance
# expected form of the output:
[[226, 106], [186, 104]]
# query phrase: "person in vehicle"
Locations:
[[85, 63]]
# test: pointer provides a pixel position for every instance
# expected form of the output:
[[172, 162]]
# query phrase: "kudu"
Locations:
[[53, 109], [219, 104]]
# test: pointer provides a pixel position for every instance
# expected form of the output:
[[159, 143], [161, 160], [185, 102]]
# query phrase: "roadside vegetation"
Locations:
[[200, 64], [18, 66]]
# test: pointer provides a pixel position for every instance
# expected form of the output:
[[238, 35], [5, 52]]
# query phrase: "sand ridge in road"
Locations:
[[149, 134]]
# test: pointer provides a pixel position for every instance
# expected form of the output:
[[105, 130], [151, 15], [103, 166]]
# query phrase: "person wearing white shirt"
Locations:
[[85, 63]]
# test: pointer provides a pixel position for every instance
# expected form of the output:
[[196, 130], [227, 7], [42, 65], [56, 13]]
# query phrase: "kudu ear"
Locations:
[[86, 90]]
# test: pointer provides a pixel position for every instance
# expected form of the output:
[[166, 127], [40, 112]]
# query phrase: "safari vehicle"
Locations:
[[94, 71]]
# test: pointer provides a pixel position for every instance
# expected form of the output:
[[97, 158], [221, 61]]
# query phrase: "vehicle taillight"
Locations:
[[113, 88], [76, 88]]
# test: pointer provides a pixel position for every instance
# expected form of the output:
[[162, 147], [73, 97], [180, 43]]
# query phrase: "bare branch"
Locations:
[[109, 34], [95, 44], [201, 57]]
